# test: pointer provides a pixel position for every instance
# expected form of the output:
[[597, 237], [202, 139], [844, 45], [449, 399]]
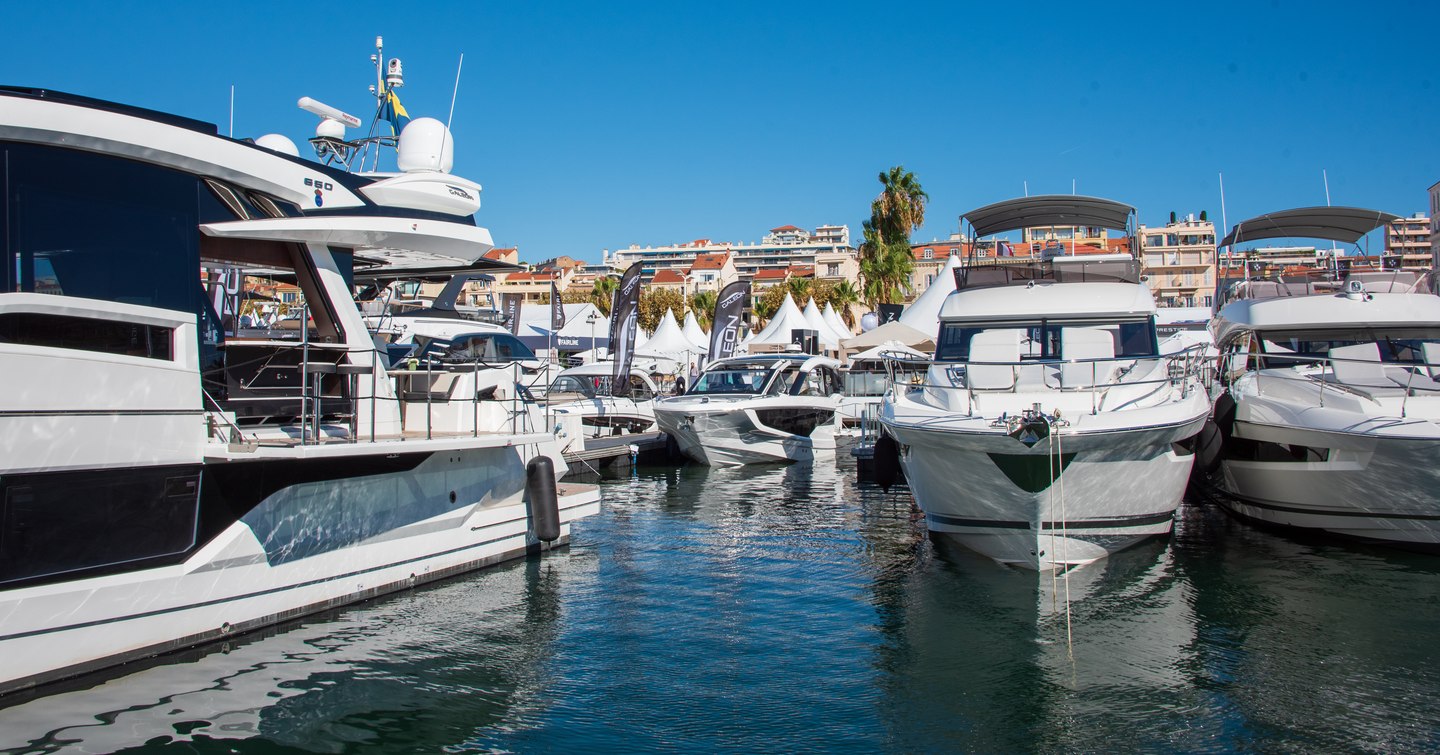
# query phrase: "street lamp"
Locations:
[[593, 318]]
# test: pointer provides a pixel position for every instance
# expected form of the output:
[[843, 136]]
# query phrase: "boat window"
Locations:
[[87, 334], [573, 384], [1286, 348], [639, 390], [731, 379], [1042, 340], [100, 227], [62, 522], [483, 347]]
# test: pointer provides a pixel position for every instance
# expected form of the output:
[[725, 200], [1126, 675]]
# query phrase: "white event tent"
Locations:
[[924, 314], [693, 332], [836, 323], [816, 322], [775, 336]]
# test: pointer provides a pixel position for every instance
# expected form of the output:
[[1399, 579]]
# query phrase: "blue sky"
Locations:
[[602, 125]]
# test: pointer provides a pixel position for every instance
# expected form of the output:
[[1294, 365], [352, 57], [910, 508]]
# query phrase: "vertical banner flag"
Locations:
[[557, 309], [511, 302], [725, 324], [624, 319]]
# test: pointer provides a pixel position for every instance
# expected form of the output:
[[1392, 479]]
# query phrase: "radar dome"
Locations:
[[330, 128], [278, 143], [425, 145]]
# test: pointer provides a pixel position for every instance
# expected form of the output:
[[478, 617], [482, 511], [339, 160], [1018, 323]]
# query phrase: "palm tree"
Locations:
[[604, 291], [703, 305], [885, 258], [900, 208], [844, 295], [799, 288]]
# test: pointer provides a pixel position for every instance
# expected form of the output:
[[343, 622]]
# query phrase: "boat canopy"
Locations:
[[1347, 224], [1099, 268], [1049, 210]]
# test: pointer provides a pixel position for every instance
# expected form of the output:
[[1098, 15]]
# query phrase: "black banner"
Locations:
[[624, 320], [725, 324], [511, 303], [557, 308], [890, 312]]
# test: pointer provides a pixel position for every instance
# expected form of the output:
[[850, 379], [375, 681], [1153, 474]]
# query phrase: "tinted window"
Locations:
[[65, 522], [101, 228], [64, 332]]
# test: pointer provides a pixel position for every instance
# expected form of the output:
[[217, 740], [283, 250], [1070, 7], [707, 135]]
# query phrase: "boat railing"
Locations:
[[1370, 379], [1184, 370]]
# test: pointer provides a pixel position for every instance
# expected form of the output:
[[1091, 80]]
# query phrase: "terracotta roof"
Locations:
[[785, 228], [668, 276], [771, 274], [802, 271], [499, 252], [941, 249], [530, 277], [710, 261]]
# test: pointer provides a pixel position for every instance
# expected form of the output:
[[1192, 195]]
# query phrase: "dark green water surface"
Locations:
[[786, 609]]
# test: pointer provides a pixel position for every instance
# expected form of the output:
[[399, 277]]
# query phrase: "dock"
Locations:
[[617, 452]]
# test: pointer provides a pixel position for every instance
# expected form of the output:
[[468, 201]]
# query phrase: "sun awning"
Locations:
[[394, 242], [1347, 224], [1049, 210]]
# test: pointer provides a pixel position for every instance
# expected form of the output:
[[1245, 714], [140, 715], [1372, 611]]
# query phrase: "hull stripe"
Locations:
[[260, 593], [1318, 512], [1138, 520]]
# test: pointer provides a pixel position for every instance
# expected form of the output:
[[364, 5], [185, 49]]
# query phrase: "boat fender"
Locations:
[[543, 502], [887, 462], [1214, 434]]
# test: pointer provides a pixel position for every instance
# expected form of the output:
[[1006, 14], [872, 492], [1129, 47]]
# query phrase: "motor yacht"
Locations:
[[867, 378], [1329, 404], [1049, 431], [165, 484], [761, 408], [584, 392]]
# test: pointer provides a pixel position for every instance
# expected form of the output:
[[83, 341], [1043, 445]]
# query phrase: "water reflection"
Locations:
[[425, 666], [786, 608]]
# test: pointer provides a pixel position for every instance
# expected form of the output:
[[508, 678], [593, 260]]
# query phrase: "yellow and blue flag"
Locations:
[[394, 112]]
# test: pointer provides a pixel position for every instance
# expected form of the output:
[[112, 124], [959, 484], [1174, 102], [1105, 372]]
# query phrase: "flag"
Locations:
[[511, 302], [624, 319], [557, 308], [725, 322], [394, 112]]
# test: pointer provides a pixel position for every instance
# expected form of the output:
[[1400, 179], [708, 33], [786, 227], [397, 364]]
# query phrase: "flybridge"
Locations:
[[1099, 268]]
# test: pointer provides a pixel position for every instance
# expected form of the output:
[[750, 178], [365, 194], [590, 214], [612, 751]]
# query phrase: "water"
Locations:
[[785, 609]]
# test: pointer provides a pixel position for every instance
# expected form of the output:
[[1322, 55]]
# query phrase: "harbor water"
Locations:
[[790, 609]]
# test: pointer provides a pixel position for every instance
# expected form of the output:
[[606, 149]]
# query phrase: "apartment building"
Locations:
[[827, 250], [1410, 239], [1178, 260]]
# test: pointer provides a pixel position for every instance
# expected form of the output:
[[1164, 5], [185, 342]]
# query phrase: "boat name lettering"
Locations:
[[320, 184], [459, 192]]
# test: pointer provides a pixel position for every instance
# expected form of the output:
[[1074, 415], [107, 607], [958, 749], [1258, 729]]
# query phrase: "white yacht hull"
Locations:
[[724, 434], [986, 490], [1369, 487], [260, 570]]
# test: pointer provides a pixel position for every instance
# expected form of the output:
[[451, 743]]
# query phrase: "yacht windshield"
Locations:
[[486, 348], [733, 378], [1307, 346], [1040, 340]]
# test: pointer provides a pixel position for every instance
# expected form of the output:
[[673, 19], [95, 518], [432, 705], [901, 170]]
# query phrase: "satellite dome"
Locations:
[[425, 145], [330, 128], [278, 143]]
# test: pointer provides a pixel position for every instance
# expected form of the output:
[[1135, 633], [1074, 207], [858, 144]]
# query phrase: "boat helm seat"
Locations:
[[1431, 353], [1086, 343], [999, 346], [1359, 366]]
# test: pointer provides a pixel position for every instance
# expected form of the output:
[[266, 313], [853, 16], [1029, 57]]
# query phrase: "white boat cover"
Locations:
[[890, 331], [924, 314], [889, 347]]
